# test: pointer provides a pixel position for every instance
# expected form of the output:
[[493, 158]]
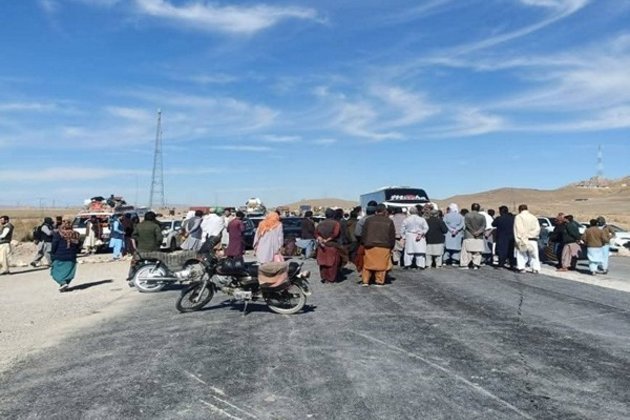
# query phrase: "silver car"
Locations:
[[171, 239]]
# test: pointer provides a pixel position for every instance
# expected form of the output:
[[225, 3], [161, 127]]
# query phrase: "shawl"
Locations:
[[454, 208], [69, 235], [270, 222]]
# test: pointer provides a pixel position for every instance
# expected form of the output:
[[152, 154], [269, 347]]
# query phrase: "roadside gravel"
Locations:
[[34, 315]]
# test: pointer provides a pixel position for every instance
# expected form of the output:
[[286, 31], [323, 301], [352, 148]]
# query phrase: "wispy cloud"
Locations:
[[211, 17], [273, 138], [243, 148], [77, 173], [558, 10]]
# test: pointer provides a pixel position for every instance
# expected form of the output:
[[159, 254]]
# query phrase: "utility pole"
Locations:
[[157, 178]]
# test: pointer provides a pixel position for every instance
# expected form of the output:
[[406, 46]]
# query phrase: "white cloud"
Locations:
[[28, 106], [609, 119], [212, 17], [560, 9], [272, 138], [413, 108], [243, 148]]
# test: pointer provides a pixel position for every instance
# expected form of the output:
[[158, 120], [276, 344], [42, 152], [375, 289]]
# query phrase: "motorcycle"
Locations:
[[152, 271], [240, 281]]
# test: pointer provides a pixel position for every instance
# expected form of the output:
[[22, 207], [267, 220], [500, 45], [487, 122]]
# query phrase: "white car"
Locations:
[[171, 239], [622, 237]]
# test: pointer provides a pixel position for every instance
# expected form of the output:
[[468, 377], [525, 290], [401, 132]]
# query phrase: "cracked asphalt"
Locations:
[[434, 344]]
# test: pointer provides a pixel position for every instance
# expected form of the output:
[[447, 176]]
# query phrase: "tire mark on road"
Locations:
[[220, 410], [459, 378], [220, 392]]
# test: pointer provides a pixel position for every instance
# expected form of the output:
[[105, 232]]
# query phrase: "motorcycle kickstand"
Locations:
[[245, 307]]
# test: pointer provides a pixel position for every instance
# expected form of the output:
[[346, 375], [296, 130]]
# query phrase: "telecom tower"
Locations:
[[600, 164], [157, 179]]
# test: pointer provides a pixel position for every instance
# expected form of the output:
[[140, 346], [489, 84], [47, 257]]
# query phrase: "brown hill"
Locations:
[[584, 203], [323, 202]]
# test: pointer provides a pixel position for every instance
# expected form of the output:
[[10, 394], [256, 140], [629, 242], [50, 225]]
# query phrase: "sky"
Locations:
[[286, 100]]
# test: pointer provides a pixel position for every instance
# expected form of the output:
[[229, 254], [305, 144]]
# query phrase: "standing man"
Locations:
[[117, 236], [307, 235], [571, 238], [378, 237], [45, 231], [453, 240], [147, 235], [594, 238], [6, 235], [227, 218], [414, 230], [504, 225], [398, 217], [474, 243], [358, 232], [526, 232], [328, 251], [435, 240], [235, 229], [212, 224], [93, 234], [609, 234]]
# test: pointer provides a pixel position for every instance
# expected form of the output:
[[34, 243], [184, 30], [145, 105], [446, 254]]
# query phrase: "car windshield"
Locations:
[[166, 225]]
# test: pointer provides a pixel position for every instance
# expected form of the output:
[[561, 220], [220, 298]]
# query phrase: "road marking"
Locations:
[[220, 411], [460, 378]]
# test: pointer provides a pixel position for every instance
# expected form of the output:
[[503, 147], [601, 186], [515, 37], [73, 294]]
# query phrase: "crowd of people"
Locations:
[[374, 241], [420, 237]]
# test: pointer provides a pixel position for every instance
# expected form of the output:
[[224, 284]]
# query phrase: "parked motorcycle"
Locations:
[[152, 271], [240, 281]]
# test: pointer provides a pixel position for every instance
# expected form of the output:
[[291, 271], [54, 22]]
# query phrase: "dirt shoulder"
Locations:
[[34, 315]]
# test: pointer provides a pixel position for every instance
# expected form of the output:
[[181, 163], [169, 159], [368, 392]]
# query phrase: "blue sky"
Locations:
[[303, 99]]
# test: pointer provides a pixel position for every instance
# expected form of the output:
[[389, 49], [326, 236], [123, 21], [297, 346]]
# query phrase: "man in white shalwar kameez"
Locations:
[[413, 230], [526, 233]]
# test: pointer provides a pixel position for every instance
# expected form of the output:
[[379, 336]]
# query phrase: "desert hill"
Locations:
[[323, 202], [612, 202]]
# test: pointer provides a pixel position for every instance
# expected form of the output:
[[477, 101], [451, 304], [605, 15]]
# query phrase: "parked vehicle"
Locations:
[[240, 281], [152, 271], [397, 197], [80, 221], [621, 239], [171, 238], [547, 223]]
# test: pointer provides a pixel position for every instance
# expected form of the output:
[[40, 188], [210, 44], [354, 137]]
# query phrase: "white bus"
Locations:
[[397, 197]]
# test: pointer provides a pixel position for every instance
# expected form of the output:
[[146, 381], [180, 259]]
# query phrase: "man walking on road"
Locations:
[[44, 246], [526, 232], [378, 237]]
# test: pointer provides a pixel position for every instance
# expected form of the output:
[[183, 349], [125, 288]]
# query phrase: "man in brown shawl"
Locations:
[[378, 238], [328, 255]]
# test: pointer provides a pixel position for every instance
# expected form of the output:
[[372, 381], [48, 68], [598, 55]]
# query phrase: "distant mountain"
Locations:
[[612, 202], [323, 202]]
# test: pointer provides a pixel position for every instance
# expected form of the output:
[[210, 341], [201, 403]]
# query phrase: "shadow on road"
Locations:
[[88, 285], [30, 270]]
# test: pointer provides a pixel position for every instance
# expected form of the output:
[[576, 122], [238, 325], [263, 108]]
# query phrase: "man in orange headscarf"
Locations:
[[269, 238]]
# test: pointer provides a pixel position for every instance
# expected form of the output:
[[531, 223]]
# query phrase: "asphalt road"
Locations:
[[435, 344]]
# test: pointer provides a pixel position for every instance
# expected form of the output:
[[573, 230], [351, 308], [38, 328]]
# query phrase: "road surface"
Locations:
[[443, 343]]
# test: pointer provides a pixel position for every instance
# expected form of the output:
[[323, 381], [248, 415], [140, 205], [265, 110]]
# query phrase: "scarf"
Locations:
[[270, 222], [69, 235]]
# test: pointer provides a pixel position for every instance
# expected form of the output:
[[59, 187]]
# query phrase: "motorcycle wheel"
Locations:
[[195, 297], [288, 301], [146, 272]]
